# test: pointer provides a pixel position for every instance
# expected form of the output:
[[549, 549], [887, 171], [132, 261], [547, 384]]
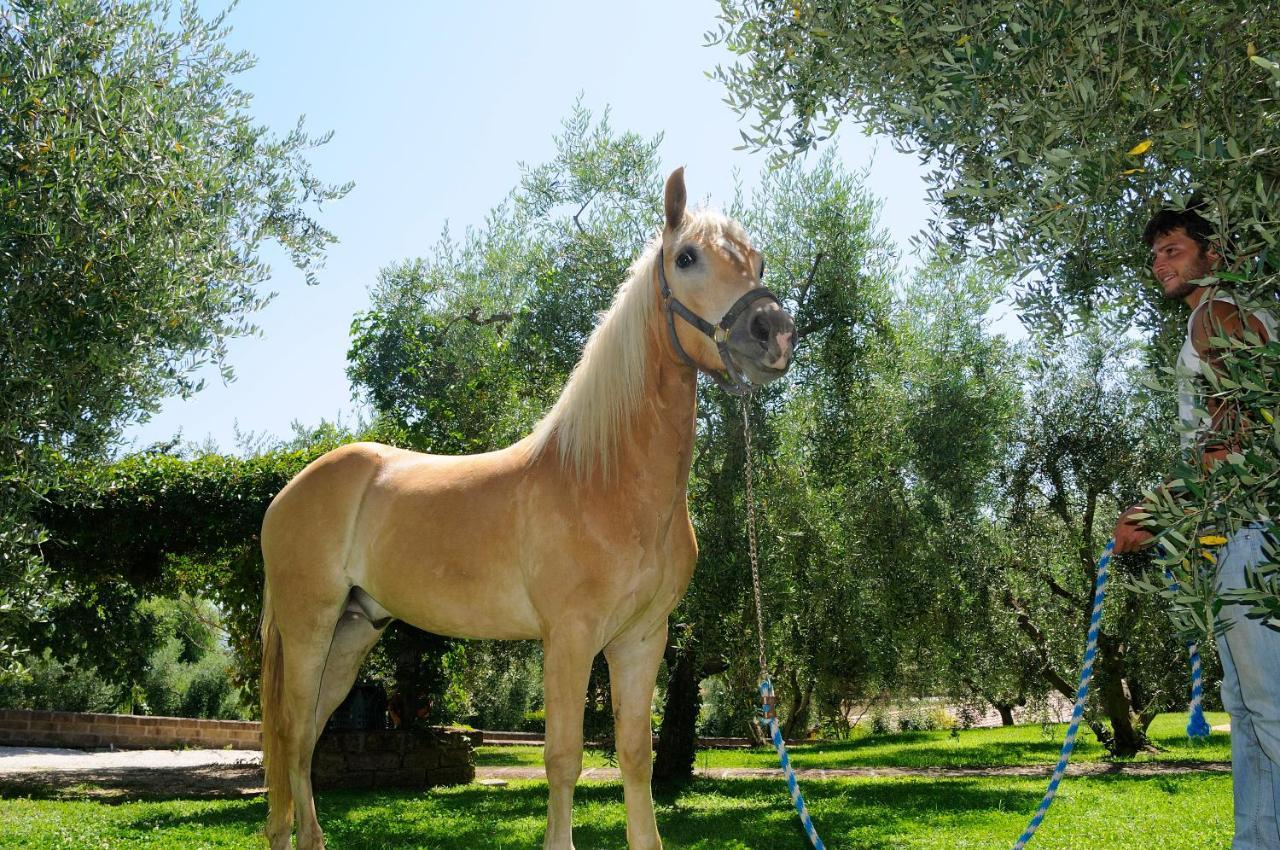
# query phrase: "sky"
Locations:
[[434, 106]]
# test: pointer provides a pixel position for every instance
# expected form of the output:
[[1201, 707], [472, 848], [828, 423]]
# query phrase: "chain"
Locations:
[[751, 535]]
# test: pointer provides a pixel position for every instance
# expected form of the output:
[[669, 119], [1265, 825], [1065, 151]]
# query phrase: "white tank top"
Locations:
[[1193, 418]]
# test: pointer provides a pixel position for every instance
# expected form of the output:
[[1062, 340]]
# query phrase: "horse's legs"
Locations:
[[567, 656], [303, 668], [633, 670], [354, 636], [316, 633]]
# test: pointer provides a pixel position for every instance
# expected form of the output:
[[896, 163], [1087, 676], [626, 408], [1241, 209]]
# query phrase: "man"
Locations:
[[1181, 256]]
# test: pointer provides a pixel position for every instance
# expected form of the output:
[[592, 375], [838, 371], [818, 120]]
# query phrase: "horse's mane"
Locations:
[[595, 409]]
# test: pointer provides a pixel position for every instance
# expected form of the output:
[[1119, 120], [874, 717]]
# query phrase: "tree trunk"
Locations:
[[797, 721], [1125, 739], [678, 735], [1006, 713]]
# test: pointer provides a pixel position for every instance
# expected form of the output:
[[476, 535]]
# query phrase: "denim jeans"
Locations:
[[1250, 652]]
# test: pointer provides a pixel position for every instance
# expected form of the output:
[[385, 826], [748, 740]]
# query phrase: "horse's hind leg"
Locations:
[[324, 637], [353, 637], [568, 652], [633, 670]]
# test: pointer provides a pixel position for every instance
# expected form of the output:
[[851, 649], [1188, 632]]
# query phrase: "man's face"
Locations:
[[1177, 260]]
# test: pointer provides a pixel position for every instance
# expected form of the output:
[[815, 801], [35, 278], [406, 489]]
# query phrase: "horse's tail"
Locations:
[[274, 759]]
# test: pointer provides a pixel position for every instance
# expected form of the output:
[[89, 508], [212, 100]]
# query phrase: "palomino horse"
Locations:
[[578, 535]]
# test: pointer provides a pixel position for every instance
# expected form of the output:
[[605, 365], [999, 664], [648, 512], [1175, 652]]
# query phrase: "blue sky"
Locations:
[[433, 108]]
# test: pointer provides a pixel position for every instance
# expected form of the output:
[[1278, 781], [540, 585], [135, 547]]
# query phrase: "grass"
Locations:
[[1001, 747], [1107, 812], [1183, 812]]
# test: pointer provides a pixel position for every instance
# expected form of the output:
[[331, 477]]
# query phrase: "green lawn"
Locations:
[[1187, 811], [1009, 746]]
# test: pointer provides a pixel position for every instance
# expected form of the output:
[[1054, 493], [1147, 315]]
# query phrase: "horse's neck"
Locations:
[[655, 452]]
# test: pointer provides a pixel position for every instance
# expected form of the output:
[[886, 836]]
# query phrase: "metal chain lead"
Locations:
[[768, 719], [751, 535]]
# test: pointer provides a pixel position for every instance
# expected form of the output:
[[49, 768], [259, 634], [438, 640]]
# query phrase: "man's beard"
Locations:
[[1183, 289]]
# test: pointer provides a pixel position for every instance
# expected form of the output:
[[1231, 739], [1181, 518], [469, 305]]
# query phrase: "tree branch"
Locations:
[[474, 317], [582, 209], [1040, 642]]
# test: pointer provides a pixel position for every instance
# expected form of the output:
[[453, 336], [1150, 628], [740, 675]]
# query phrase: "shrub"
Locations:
[[51, 685], [534, 721]]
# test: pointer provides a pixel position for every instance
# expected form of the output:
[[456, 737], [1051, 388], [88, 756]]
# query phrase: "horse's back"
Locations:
[[396, 522]]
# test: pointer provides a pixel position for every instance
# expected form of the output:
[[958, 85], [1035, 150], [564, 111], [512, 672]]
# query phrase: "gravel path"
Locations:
[[238, 773]]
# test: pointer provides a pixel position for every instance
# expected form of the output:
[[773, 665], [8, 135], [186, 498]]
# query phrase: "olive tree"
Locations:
[[137, 194], [1052, 133]]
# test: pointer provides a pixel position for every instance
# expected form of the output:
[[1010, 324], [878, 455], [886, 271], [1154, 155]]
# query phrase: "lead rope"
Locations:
[[1086, 673], [1197, 726], [768, 717]]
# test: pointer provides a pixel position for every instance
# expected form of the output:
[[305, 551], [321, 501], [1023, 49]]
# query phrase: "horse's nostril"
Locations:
[[760, 329]]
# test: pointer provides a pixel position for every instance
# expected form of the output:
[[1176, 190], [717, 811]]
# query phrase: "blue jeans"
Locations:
[[1250, 652]]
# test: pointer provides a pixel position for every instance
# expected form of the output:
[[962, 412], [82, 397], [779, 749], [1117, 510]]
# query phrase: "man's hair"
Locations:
[[1189, 219]]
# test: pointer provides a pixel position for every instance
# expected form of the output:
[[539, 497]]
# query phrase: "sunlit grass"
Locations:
[[1182, 812], [1000, 747]]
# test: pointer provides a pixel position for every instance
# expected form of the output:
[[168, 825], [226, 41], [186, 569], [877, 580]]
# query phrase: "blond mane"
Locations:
[[596, 407]]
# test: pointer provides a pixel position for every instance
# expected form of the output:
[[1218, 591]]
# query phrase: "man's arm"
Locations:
[[1222, 319]]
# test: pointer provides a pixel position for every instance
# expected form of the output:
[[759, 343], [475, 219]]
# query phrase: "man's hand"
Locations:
[[1129, 535]]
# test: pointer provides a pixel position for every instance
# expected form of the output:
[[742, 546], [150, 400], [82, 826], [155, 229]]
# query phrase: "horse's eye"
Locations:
[[686, 258]]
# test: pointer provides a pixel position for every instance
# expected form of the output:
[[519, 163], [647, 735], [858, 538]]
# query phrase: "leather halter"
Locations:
[[736, 383]]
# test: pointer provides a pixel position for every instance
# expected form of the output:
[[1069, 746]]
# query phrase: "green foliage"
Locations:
[[190, 672], [467, 348], [152, 525], [136, 196], [503, 683], [1049, 127], [187, 673], [1053, 132], [1088, 440], [49, 684], [724, 713]]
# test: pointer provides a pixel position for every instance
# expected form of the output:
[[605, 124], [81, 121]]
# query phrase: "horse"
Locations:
[[577, 535]]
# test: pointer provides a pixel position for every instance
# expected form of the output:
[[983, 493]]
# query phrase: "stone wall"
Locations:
[[394, 758], [20, 728]]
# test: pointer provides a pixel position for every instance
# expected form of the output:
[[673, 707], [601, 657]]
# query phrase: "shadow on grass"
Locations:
[[755, 814], [133, 784]]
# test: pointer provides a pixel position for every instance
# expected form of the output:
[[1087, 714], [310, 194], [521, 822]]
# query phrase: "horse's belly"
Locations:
[[455, 598]]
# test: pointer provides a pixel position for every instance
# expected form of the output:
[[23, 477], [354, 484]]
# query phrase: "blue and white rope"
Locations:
[[1197, 726], [770, 719], [1086, 673]]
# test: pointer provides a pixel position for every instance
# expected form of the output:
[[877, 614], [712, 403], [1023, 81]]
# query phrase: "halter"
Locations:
[[736, 383]]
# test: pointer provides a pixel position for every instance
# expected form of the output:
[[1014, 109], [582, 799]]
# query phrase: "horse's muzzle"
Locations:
[[762, 341]]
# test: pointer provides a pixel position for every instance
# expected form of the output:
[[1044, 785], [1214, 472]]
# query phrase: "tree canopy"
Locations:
[[1053, 131], [137, 195]]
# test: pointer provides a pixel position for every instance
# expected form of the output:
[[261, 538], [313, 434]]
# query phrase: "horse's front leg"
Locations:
[[633, 670], [566, 668]]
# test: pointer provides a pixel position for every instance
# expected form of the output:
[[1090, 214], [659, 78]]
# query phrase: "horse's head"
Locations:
[[721, 319]]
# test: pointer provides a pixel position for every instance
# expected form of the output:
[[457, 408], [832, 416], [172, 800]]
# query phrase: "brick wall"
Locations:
[[123, 731]]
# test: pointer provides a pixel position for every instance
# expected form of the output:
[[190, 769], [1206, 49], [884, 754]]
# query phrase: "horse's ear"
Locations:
[[675, 197]]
